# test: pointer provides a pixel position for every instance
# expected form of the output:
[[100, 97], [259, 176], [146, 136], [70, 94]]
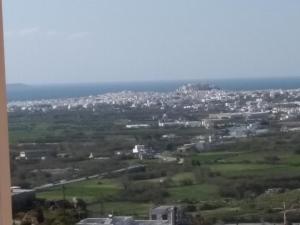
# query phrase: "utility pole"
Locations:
[[284, 214], [5, 192], [64, 200]]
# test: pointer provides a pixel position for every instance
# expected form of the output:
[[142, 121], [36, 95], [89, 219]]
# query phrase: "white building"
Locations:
[[138, 149]]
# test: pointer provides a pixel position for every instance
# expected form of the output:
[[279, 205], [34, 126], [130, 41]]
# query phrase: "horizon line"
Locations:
[[152, 81]]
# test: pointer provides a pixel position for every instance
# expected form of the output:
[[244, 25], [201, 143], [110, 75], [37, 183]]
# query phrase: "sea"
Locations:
[[24, 92]]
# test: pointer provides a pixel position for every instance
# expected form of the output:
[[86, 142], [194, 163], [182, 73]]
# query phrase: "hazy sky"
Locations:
[[55, 41]]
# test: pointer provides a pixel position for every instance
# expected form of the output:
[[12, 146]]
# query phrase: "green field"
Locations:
[[227, 182], [201, 192], [103, 196], [138, 210], [89, 191]]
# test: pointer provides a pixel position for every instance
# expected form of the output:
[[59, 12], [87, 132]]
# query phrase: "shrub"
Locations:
[[186, 182]]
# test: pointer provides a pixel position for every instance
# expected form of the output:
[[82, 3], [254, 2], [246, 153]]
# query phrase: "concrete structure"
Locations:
[[132, 126], [172, 214], [185, 148], [182, 124], [22, 199], [33, 155], [262, 223], [138, 148], [142, 152], [5, 196], [120, 220], [91, 156], [162, 215], [222, 116]]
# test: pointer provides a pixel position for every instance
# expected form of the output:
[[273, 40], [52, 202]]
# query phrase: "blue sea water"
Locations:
[[20, 92]]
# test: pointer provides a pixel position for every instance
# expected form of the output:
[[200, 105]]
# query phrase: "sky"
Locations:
[[76, 41]]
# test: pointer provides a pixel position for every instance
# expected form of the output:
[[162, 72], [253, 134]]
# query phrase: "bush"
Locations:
[[297, 151], [147, 175], [191, 208], [272, 159], [210, 206], [186, 182], [242, 189], [144, 192]]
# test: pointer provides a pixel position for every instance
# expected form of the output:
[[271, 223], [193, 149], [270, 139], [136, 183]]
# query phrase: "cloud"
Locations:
[[52, 33], [78, 35], [21, 33], [29, 31], [33, 32]]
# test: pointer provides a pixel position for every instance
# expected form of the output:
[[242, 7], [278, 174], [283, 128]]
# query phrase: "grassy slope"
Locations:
[[87, 190]]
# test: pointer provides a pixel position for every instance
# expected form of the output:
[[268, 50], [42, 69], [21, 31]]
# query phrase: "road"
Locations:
[[96, 176]]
